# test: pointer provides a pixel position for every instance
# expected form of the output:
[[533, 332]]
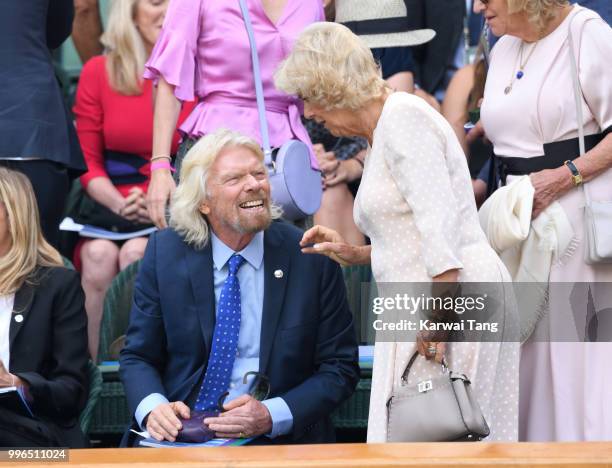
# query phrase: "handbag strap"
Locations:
[[261, 105], [411, 362], [577, 98]]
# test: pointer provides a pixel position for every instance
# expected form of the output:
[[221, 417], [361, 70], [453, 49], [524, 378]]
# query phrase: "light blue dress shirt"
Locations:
[[251, 277]]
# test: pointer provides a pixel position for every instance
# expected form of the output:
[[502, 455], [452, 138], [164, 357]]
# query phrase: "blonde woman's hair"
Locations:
[[539, 12], [29, 249], [331, 67], [185, 215], [125, 49]]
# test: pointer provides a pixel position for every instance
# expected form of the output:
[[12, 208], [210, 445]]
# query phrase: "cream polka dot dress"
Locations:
[[416, 204]]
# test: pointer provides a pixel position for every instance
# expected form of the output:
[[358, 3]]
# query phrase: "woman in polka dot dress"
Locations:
[[417, 206]]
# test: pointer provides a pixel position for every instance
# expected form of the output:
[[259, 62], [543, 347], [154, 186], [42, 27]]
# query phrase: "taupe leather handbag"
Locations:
[[437, 410]]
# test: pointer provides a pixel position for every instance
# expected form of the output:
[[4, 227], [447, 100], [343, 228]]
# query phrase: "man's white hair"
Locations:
[[185, 215]]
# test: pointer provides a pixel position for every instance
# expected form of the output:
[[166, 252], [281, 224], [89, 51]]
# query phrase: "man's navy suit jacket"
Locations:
[[308, 347]]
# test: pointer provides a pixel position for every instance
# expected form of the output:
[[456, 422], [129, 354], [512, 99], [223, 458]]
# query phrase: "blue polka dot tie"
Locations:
[[225, 341]]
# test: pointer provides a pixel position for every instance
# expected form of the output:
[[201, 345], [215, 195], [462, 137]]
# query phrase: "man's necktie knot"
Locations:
[[234, 264]]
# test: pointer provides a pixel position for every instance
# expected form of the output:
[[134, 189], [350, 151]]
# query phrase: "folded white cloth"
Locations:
[[527, 248], [506, 215]]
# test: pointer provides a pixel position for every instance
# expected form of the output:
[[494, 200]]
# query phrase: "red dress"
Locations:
[[115, 130]]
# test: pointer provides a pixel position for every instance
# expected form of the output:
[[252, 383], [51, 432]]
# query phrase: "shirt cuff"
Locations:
[[147, 405], [282, 419]]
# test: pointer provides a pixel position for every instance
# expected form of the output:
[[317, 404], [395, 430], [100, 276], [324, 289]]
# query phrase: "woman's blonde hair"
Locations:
[[331, 67], [29, 249], [185, 215], [125, 50], [539, 12]]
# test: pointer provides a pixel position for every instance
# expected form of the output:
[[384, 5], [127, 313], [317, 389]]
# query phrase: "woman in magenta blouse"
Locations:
[[203, 51]]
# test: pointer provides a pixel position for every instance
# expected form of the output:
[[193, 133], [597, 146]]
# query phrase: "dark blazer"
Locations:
[[34, 121], [308, 345], [48, 349], [445, 17]]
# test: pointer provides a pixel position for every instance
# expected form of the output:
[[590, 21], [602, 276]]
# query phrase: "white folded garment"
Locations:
[[527, 248]]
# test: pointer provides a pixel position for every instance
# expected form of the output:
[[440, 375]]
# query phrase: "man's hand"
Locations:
[[163, 423], [160, 190], [244, 417], [10, 380], [6, 379]]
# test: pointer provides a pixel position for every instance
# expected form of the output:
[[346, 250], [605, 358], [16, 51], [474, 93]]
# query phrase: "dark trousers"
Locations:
[[17, 430], [51, 185]]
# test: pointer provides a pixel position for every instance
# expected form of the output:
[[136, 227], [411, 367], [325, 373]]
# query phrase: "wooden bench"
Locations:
[[465, 455]]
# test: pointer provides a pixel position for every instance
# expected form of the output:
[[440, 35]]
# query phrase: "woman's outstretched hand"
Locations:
[[326, 241]]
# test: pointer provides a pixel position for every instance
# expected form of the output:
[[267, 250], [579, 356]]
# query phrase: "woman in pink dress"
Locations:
[[203, 51]]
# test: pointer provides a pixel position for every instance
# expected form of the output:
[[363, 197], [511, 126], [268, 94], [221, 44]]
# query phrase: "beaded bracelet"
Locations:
[[162, 165]]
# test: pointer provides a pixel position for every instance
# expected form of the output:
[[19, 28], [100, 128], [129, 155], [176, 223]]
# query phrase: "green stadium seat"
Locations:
[[358, 282], [95, 389], [116, 314]]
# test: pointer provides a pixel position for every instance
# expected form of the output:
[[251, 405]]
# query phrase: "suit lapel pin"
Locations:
[[18, 318], [278, 274]]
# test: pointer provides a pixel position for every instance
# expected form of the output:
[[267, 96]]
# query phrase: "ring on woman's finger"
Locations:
[[432, 350], [241, 435]]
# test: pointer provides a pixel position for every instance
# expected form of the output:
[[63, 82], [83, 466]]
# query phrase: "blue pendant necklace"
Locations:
[[520, 73]]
